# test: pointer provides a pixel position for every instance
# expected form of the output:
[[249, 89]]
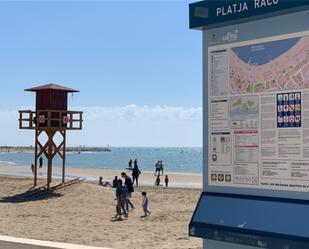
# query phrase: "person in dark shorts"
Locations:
[[158, 181], [130, 164], [115, 182], [166, 181], [161, 167], [128, 183], [157, 167], [121, 194], [135, 173]]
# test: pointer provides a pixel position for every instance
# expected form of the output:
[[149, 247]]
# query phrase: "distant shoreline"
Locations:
[[68, 149]]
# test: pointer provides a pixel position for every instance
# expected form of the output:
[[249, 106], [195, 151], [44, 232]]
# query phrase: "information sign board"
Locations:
[[258, 100], [256, 124]]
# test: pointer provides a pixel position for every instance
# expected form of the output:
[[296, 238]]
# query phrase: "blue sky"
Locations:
[[136, 63]]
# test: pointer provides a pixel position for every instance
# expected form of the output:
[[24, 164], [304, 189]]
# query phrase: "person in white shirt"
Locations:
[[145, 204]]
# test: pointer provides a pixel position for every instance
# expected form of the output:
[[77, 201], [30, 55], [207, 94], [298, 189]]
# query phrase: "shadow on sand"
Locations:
[[37, 194]]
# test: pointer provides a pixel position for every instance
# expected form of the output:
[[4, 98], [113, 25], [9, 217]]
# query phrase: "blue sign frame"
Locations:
[[269, 27], [261, 238], [205, 15], [217, 13]]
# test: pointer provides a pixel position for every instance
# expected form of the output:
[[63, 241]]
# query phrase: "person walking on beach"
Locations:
[[157, 167], [121, 193], [130, 164], [145, 204], [128, 183], [32, 168], [166, 181], [158, 181], [41, 162], [161, 166], [135, 173], [115, 182]]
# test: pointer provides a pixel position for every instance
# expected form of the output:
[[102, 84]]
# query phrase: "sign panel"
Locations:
[[256, 137], [210, 14], [259, 113]]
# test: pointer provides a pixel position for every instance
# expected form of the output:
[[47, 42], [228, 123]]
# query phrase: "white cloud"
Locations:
[[129, 125], [146, 113]]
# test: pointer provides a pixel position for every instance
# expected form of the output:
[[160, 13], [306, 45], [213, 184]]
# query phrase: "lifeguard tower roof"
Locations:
[[51, 86]]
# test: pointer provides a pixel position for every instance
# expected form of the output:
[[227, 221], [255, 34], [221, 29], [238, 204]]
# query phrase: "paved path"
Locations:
[[7, 242]]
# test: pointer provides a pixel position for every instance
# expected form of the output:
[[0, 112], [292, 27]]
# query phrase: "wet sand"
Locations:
[[187, 180]]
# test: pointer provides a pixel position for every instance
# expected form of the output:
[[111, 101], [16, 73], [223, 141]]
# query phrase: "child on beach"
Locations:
[[157, 183], [166, 181], [145, 204]]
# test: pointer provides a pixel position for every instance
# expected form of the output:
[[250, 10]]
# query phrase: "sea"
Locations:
[[185, 160]]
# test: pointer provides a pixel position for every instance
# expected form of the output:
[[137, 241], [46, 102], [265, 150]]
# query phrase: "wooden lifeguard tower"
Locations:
[[50, 117]]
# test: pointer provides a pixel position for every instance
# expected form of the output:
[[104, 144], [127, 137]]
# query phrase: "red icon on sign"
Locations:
[[65, 119], [42, 119]]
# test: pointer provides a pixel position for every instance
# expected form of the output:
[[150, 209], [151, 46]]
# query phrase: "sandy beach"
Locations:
[[184, 180], [83, 213]]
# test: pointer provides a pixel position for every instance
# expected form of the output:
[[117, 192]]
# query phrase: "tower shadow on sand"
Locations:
[[37, 194]]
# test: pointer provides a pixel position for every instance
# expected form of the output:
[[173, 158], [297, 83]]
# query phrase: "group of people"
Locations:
[[124, 189], [159, 166], [135, 171], [40, 165], [158, 181]]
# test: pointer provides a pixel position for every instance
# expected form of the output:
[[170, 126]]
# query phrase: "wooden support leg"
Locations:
[[63, 155], [50, 156], [35, 158], [50, 149]]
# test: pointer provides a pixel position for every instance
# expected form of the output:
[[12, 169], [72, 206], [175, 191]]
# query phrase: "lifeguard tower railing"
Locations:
[[50, 119]]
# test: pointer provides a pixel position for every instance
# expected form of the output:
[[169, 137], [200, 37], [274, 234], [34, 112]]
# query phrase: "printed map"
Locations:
[[244, 106], [270, 66]]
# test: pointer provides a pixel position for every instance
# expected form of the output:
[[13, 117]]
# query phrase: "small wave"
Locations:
[[84, 152], [7, 162]]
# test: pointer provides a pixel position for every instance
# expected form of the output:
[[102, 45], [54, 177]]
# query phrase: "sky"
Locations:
[[137, 65]]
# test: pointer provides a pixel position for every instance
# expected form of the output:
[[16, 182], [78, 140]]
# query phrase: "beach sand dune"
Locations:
[[82, 214]]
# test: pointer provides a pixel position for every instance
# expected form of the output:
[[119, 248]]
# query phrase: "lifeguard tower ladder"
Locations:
[[50, 117]]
